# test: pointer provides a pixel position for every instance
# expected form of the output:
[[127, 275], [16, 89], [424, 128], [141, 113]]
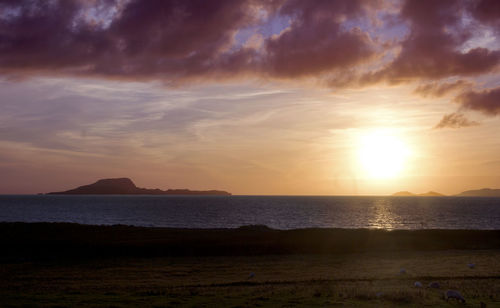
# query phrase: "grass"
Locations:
[[327, 279], [280, 281]]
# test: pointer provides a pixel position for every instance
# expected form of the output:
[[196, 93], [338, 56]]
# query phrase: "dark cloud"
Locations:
[[455, 120], [316, 41], [175, 40], [435, 89], [487, 11], [182, 40], [435, 47], [486, 101], [152, 39]]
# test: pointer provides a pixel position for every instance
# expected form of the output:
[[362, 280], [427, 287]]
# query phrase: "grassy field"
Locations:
[[352, 279]]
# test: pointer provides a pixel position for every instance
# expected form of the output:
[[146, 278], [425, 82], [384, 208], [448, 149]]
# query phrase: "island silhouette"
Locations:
[[125, 186], [484, 192]]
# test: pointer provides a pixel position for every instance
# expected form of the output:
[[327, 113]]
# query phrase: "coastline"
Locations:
[[70, 239]]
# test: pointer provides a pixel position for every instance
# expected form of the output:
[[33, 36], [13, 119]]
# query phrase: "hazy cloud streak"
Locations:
[[455, 120]]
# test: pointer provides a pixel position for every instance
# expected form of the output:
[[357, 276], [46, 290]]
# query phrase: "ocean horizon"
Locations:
[[274, 211]]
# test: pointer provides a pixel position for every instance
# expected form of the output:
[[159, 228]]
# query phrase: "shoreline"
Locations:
[[61, 240]]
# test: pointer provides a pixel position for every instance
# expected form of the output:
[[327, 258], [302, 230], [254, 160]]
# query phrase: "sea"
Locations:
[[278, 212]]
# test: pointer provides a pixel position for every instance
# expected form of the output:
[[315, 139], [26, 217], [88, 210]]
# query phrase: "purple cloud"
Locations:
[[441, 89], [342, 41], [486, 101]]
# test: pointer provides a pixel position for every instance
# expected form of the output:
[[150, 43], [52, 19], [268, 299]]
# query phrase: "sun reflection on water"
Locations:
[[383, 217]]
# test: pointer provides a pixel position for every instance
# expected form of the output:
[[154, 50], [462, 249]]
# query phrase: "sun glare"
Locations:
[[382, 155]]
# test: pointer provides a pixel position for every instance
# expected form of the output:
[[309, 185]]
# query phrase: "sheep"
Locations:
[[453, 294], [417, 284], [434, 285]]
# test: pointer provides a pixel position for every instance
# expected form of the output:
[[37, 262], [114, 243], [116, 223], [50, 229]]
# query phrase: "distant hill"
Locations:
[[409, 194], [403, 193], [125, 186], [485, 192]]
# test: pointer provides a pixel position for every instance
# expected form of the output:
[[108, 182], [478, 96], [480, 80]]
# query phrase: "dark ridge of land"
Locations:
[[410, 194], [485, 192], [125, 186], [61, 240]]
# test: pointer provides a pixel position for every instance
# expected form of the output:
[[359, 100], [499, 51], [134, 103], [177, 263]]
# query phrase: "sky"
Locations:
[[327, 97]]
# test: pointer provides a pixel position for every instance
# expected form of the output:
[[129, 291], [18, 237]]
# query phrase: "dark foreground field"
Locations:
[[60, 265]]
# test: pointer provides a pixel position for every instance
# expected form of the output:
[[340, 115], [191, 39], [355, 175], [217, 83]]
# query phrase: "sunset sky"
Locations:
[[324, 97]]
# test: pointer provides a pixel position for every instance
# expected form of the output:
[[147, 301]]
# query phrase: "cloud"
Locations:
[[346, 43], [441, 89], [434, 48], [487, 11], [316, 41], [455, 120], [153, 39], [174, 41], [486, 101]]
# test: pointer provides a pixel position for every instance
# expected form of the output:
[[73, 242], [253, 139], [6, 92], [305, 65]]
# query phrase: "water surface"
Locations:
[[280, 212]]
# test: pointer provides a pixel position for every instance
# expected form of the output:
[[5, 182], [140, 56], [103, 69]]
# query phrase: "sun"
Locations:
[[382, 155]]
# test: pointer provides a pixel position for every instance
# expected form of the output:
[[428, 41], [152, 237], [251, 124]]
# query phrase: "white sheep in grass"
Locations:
[[453, 294], [417, 284], [434, 285]]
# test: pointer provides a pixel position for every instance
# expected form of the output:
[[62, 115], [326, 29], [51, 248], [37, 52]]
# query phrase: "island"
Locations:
[[409, 194], [125, 186], [485, 192]]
